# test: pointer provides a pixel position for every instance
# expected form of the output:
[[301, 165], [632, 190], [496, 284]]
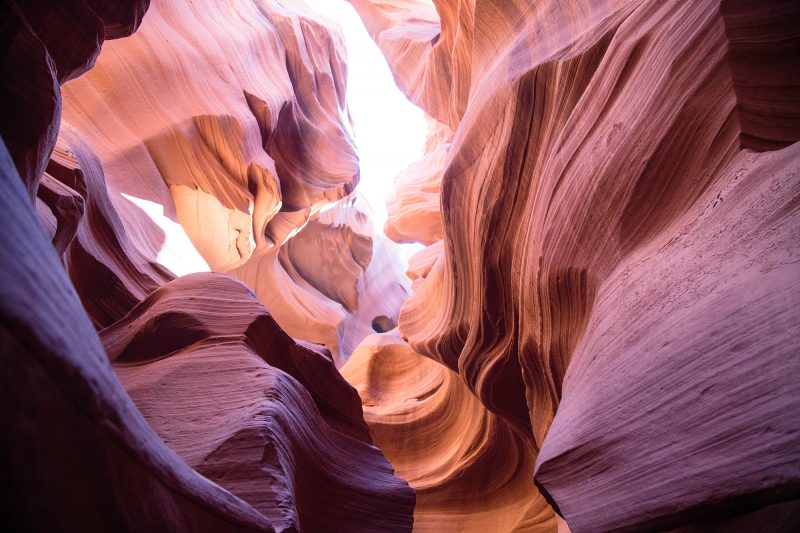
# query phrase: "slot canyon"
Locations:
[[579, 312]]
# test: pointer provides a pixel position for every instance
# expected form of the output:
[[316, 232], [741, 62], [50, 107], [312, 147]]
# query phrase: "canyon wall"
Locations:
[[203, 330], [232, 120], [216, 137], [616, 274]]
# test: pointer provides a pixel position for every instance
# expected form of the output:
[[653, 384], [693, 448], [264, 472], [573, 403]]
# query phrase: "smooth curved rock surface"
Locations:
[[604, 323], [595, 139], [44, 45], [108, 269], [266, 417], [244, 156], [244, 405], [470, 470], [428, 45], [204, 308], [413, 208], [74, 445], [341, 277], [728, 443], [228, 151]]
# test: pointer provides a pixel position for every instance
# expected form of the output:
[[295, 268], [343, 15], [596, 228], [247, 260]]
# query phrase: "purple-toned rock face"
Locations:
[[602, 333], [44, 44], [196, 412], [617, 272]]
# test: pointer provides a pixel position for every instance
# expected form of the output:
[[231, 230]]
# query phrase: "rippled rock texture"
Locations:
[[469, 469], [617, 275], [44, 45], [249, 408], [216, 137], [602, 332], [232, 120]]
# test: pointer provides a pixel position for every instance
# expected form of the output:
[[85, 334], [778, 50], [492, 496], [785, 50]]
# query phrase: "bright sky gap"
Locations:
[[389, 130]]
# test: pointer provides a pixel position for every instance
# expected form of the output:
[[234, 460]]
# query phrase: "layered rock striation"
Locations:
[[601, 333], [275, 423], [233, 119], [137, 399], [44, 45], [620, 233], [469, 469]]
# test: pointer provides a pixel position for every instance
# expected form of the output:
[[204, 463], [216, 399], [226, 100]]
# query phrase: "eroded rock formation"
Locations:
[[76, 452], [413, 207], [244, 158], [621, 225], [470, 470], [276, 424], [198, 411], [602, 332], [44, 45]]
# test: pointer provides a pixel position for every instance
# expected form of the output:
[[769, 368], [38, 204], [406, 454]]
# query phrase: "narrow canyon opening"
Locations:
[[390, 131]]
